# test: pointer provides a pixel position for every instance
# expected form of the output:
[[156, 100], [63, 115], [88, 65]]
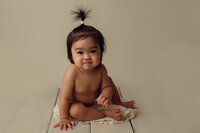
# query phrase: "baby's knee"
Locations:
[[77, 110]]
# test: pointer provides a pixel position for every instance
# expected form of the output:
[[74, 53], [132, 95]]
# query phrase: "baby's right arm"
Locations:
[[66, 97]]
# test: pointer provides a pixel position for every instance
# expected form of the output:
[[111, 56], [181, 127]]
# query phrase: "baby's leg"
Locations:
[[81, 112], [116, 98]]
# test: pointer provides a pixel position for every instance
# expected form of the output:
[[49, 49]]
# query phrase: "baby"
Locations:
[[86, 78]]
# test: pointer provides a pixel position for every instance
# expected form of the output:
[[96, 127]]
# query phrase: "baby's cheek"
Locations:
[[98, 57], [97, 60], [77, 61]]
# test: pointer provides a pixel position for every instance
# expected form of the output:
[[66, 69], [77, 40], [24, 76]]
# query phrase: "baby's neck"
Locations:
[[91, 71]]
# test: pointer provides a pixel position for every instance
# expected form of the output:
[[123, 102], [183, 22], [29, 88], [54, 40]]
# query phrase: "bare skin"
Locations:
[[95, 113], [90, 113], [114, 113], [83, 82]]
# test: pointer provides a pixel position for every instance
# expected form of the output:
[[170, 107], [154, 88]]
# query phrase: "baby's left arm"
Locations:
[[106, 89]]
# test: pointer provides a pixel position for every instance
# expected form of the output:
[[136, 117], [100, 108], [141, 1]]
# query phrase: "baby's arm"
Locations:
[[106, 89], [66, 97]]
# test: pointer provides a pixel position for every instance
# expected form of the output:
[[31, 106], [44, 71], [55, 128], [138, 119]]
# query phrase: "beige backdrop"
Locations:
[[151, 44]]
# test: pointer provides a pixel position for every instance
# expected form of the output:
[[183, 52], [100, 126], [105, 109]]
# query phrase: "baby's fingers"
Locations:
[[99, 101], [102, 100], [73, 123], [69, 125], [61, 126], [106, 103], [57, 125], [65, 127]]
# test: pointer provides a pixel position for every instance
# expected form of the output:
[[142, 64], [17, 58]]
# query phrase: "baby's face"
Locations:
[[86, 53]]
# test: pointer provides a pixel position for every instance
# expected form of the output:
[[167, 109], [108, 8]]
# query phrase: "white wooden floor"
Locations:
[[33, 113], [150, 119], [26, 112]]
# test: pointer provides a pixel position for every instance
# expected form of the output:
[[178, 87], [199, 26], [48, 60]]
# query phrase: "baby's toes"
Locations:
[[118, 111], [133, 102]]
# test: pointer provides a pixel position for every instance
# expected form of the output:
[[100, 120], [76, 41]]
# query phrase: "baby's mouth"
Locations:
[[87, 62]]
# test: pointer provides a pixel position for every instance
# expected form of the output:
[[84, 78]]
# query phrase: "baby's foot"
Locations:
[[128, 104], [114, 113]]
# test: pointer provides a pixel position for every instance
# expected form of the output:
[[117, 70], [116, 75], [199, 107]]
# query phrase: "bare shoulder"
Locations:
[[69, 79], [102, 68], [70, 74], [71, 71]]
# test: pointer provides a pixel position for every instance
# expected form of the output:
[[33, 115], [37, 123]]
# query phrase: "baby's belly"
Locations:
[[86, 98]]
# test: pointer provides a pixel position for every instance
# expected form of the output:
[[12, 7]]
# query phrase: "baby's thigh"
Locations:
[[77, 110]]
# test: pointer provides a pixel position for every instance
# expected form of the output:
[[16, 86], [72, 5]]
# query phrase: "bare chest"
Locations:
[[87, 84]]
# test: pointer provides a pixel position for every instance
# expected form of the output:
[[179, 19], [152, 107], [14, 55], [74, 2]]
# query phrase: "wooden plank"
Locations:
[[151, 118], [34, 112], [115, 128]]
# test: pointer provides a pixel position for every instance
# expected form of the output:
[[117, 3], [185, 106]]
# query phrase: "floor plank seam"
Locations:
[[90, 127], [52, 111], [132, 126]]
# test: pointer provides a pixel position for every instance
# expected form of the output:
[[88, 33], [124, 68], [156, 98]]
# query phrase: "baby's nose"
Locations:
[[87, 57]]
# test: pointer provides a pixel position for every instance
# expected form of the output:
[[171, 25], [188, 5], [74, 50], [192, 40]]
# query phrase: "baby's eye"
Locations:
[[79, 52], [93, 51]]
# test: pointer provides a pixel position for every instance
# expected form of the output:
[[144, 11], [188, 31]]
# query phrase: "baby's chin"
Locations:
[[89, 68]]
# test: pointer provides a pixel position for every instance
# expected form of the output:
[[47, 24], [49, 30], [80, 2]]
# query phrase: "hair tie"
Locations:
[[82, 22]]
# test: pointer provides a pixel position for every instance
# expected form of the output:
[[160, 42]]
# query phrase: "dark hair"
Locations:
[[84, 31]]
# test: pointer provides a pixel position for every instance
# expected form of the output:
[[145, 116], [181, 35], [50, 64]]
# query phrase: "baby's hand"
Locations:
[[104, 101], [65, 123]]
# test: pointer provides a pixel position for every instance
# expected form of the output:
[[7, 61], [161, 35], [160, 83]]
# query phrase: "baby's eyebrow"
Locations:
[[78, 49], [95, 47]]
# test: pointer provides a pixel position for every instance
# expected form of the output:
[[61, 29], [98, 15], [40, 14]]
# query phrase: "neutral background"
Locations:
[[151, 44]]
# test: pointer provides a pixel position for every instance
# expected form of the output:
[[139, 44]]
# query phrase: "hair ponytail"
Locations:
[[81, 14]]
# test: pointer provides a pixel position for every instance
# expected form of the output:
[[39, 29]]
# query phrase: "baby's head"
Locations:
[[82, 32]]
